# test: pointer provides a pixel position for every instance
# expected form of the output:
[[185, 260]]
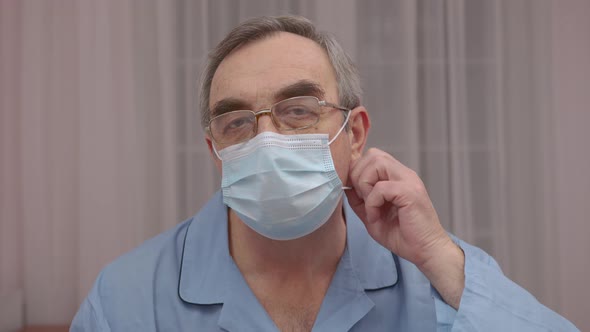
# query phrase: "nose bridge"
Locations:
[[265, 123], [262, 112]]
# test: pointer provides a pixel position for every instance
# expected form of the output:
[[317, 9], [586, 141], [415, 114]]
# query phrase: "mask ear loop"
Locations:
[[215, 151], [336, 136], [341, 128]]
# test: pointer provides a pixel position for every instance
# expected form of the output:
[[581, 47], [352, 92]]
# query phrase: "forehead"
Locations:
[[256, 71]]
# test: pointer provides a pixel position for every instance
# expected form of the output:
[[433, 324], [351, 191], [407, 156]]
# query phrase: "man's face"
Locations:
[[261, 73]]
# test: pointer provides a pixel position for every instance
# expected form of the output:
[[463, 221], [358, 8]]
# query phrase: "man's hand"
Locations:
[[392, 202]]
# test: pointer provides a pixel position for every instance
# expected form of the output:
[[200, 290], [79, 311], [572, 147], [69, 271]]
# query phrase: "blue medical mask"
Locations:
[[282, 186]]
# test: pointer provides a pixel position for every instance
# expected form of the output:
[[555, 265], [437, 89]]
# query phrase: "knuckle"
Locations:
[[373, 151], [381, 159], [415, 177], [420, 189]]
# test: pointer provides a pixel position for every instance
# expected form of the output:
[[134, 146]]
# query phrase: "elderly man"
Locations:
[[308, 232]]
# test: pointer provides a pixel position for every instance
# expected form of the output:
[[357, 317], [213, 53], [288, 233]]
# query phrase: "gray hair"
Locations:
[[347, 77]]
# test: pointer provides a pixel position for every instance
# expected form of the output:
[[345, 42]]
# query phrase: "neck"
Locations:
[[315, 254]]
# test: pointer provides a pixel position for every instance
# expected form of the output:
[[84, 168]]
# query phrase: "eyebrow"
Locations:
[[297, 89], [227, 105], [300, 88]]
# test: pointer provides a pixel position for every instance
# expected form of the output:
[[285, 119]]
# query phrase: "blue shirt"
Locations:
[[186, 280]]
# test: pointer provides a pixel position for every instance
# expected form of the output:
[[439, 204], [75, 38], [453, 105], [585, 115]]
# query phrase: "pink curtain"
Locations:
[[571, 156], [11, 227], [88, 166]]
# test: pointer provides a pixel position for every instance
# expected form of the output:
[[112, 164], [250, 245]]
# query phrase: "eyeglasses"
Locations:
[[291, 114]]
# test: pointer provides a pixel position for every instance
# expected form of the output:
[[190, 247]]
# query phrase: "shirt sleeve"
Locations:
[[445, 314], [492, 302], [90, 316]]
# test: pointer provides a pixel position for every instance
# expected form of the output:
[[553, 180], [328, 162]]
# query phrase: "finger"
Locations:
[[363, 163], [368, 170], [356, 203], [381, 169], [385, 196], [376, 166], [357, 168], [354, 199]]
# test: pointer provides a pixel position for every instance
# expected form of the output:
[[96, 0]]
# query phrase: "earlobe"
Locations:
[[359, 130], [210, 146]]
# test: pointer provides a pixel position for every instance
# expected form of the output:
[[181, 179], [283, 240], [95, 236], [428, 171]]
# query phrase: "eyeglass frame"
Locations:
[[257, 114]]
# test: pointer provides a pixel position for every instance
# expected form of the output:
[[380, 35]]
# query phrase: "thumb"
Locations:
[[356, 203]]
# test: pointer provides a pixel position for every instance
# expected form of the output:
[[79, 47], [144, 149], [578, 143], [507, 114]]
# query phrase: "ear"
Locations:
[[359, 130], [210, 145]]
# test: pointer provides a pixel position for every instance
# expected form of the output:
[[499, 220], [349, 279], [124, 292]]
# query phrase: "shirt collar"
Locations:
[[207, 270]]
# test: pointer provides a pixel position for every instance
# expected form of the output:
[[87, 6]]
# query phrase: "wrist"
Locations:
[[446, 272], [444, 254]]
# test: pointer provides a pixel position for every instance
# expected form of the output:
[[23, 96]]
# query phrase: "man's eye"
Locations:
[[237, 123], [296, 112]]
